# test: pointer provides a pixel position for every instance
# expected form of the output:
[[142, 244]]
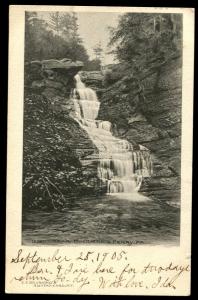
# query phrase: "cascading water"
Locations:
[[120, 166]]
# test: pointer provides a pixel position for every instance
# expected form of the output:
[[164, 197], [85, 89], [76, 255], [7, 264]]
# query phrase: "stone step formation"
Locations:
[[120, 166]]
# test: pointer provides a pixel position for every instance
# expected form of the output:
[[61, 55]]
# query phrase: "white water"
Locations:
[[120, 167]]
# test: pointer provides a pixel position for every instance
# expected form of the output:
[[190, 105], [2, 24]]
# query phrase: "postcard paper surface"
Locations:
[[99, 172]]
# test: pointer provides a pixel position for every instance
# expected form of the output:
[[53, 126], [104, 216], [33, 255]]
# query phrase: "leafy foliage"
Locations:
[[141, 38]]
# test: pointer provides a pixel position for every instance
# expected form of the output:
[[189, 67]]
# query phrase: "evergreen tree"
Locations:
[[98, 51], [55, 22]]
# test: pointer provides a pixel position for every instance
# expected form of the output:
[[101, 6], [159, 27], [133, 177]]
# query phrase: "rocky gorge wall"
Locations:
[[146, 109]]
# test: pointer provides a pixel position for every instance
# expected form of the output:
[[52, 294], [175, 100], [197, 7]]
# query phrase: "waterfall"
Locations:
[[120, 166]]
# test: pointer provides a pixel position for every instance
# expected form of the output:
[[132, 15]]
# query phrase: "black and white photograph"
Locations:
[[102, 128], [99, 152]]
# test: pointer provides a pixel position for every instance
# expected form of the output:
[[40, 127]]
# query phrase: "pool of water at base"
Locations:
[[122, 219]]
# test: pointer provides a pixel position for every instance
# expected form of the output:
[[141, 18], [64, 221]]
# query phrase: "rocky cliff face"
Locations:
[[58, 154], [146, 109]]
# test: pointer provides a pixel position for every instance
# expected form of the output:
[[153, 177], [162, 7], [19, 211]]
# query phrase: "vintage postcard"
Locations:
[[99, 171]]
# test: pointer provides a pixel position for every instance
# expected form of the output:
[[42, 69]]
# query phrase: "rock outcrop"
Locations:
[[94, 80]]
